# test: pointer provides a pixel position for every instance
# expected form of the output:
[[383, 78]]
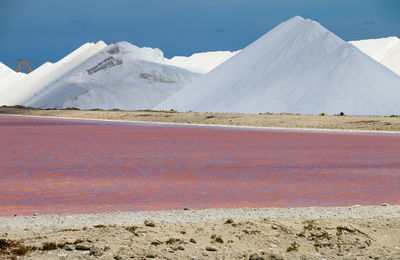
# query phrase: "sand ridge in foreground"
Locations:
[[332, 122], [358, 232]]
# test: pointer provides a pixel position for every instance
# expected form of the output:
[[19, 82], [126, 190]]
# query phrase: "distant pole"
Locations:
[[23, 65]]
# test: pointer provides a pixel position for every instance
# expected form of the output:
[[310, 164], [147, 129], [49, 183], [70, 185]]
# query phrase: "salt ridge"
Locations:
[[203, 62], [384, 50], [120, 76], [8, 76], [298, 67], [293, 47], [19, 92]]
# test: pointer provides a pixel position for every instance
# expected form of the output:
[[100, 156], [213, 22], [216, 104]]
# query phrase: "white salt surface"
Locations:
[[8, 76], [21, 91], [298, 67], [119, 76], [203, 62], [384, 50]]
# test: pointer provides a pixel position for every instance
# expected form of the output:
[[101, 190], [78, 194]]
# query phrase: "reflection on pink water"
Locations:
[[77, 166]]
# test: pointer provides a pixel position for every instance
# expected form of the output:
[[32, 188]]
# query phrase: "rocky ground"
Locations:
[[338, 122], [294, 233]]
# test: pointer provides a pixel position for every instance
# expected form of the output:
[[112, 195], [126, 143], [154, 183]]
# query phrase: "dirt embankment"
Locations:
[[340, 122], [296, 233]]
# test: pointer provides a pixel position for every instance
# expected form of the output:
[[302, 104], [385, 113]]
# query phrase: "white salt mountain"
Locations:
[[22, 91], [8, 76], [119, 76], [384, 50], [96, 76], [202, 62], [298, 67]]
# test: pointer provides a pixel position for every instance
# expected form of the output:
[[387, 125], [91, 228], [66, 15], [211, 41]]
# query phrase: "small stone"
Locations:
[[83, 247], [151, 255], [211, 249], [149, 223], [5, 234], [193, 241], [132, 256], [229, 221], [195, 258], [385, 204], [274, 227], [68, 247], [118, 257], [256, 257], [35, 214], [181, 247], [95, 251], [204, 254], [85, 228]]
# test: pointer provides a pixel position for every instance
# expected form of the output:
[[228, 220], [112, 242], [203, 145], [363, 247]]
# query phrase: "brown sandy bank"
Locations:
[[293, 233], [371, 123]]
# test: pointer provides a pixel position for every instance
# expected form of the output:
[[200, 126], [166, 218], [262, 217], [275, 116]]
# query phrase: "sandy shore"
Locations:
[[357, 232], [371, 123]]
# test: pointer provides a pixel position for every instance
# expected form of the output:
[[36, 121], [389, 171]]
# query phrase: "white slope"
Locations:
[[202, 62], [8, 76], [298, 67], [384, 50], [21, 91], [120, 76], [5, 71]]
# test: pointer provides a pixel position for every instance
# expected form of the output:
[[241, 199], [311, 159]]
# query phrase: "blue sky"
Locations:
[[47, 30]]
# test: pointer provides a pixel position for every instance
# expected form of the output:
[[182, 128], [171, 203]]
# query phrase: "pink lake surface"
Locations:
[[81, 166]]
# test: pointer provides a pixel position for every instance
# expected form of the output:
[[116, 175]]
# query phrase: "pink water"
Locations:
[[80, 166]]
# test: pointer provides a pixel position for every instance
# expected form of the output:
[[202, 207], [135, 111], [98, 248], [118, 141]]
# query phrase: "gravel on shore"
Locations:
[[357, 232], [200, 215]]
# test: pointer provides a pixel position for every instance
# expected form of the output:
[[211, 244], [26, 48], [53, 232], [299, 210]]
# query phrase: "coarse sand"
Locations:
[[357, 232]]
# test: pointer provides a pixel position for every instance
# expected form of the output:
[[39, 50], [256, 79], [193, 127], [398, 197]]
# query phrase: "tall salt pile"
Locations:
[[8, 76], [20, 91], [298, 67], [384, 50], [120, 75], [203, 62]]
